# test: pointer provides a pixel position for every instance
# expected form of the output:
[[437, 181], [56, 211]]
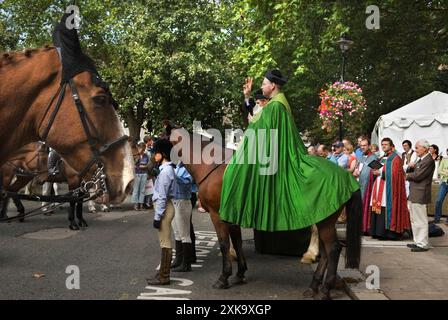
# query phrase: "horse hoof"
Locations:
[[221, 285], [309, 293], [307, 261], [74, 227], [105, 210], [92, 211], [239, 281], [83, 224], [321, 296]]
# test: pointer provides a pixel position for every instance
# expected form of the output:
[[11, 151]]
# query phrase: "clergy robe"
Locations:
[[390, 215]]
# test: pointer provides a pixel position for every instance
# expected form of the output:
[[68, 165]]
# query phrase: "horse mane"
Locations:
[[16, 56]]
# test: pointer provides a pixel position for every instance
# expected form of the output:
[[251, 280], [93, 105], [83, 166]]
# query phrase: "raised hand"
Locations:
[[247, 88]]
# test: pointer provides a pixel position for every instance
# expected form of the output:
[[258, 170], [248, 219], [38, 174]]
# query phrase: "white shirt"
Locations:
[[405, 168]]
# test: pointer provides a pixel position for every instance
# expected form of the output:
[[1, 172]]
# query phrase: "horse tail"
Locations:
[[354, 230]]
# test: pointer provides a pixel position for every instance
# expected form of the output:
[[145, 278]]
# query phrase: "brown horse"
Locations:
[[210, 178], [33, 103], [31, 162]]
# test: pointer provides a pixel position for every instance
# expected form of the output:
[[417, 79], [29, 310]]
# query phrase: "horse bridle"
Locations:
[[98, 180]]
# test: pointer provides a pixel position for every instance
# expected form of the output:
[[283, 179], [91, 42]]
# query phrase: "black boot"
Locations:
[[163, 276], [179, 255], [187, 257]]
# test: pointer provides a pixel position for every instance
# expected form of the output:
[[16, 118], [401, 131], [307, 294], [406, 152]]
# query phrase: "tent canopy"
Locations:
[[425, 118]]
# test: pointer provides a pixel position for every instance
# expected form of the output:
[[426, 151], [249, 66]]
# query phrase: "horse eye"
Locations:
[[100, 100]]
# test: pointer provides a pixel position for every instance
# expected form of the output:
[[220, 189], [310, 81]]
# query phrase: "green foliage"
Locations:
[[186, 59]]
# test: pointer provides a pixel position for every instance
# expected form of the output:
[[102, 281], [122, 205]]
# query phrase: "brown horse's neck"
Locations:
[[29, 80]]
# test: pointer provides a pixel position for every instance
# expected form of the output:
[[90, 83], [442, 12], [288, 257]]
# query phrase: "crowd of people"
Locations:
[[396, 188]]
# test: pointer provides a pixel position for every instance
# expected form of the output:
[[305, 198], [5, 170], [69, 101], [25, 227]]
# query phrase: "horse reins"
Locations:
[[210, 172]]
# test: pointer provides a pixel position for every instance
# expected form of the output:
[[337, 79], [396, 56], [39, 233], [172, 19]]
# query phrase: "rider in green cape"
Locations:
[[271, 183]]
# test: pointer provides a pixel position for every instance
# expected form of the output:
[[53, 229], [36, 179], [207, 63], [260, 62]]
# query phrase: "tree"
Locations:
[[163, 59], [186, 60], [394, 65]]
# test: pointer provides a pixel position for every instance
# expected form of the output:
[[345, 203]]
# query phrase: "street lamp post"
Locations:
[[344, 45]]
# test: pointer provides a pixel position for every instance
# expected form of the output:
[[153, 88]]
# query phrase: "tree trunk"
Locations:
[[134, 120]]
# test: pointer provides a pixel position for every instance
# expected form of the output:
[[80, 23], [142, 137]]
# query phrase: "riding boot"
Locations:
[[179, 255], [187, 257], [163, 276]]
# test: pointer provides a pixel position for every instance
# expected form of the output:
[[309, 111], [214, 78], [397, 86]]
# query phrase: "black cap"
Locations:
[[164, 147], [275, 76], [338, 144]]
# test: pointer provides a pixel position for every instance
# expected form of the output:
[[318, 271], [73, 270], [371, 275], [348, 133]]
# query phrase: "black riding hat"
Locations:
[[164, 147]]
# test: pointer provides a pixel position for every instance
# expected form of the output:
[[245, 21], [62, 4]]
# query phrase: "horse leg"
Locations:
[[237, 241], [71, 217], [20, 209], [328, 236], [4, 207], [333, 260], [318, 275], [311, 254], [222, 230], [82, 223]]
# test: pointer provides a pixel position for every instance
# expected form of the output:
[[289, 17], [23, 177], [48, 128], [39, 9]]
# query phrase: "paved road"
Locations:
[[118, 251]]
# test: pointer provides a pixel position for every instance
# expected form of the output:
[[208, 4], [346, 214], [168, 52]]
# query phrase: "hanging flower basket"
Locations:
[[340, 101]]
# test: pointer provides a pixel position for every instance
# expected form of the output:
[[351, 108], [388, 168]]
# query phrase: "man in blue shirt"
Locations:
[[358, 151], [163, 209], [339, 156]]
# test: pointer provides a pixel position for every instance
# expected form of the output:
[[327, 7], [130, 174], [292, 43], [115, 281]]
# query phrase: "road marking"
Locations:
[[159, 291], [183, 282], [160, 298]]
